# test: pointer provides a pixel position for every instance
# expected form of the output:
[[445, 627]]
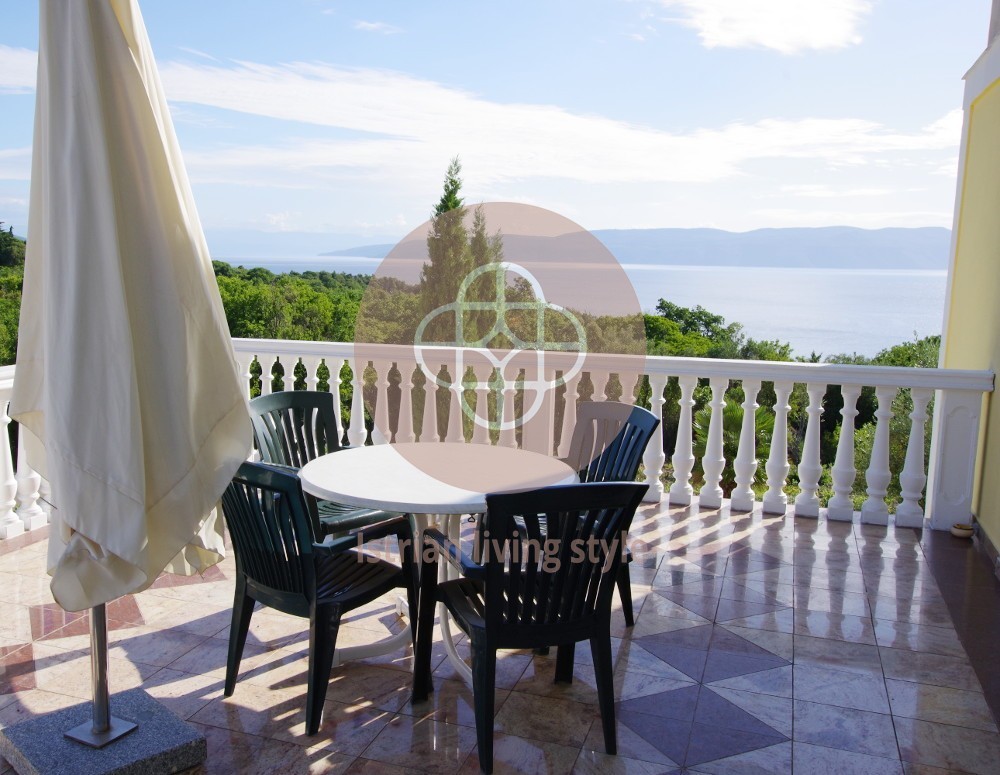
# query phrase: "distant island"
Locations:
[[831, 247]]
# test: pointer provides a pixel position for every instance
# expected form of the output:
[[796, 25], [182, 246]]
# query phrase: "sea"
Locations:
[[821, 311]]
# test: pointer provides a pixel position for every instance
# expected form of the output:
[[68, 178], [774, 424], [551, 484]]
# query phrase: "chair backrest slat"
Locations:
[[609, 440], [270, 527], [293, 427], [566, 573]]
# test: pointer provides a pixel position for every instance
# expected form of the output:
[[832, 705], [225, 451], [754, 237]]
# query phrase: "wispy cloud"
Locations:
[[412, 124], [17, 70], [786, 26], [380, 27], [15, 163]]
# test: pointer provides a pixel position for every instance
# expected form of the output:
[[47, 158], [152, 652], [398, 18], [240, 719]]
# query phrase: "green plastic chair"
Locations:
[[535, 586], [607, 445], [280, 565], [292, 427]]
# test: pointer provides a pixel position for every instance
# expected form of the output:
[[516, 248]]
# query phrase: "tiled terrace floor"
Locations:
[[762, 645]]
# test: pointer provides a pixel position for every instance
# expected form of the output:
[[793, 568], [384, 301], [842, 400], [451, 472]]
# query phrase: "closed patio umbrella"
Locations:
[[125, 372]]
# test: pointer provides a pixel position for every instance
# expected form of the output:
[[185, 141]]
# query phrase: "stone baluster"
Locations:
[[745, 465], [599, 379], [841, 506], [912, 479], [267, 362], [714, 460], [455, 433], [537, 432], [481, 425], [28, 484], [356, 433], [681, 491], [807, 501], [874, 510], [775, 500], [10, 525], [333, 366], [569, 416], [654, 457], [404, 425], [430, 430], [508, 428], [311, 364], [243, 364], [381, 433]]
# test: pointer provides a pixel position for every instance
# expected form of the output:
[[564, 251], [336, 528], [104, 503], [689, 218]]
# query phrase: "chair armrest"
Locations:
[[443, 545], [397, 526]]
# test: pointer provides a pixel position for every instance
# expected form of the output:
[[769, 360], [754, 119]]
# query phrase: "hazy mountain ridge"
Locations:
[[844, 247]]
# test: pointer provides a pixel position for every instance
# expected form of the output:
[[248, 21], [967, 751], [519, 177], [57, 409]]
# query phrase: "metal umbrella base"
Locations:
[[104, 728]]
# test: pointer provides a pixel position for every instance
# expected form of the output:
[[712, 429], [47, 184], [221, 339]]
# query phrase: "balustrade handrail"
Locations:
[[770, 371]]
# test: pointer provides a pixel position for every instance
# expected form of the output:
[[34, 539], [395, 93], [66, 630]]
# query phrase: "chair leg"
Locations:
[[422, 684], [564, 663], [324, 623], [238, 629], [624, 583], [600, 647], [484, 675]]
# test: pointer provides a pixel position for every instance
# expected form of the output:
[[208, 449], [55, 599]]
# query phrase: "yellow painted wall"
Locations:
[[973, 326]]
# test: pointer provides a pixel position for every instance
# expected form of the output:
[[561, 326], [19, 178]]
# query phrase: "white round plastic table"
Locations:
[[428, 479]]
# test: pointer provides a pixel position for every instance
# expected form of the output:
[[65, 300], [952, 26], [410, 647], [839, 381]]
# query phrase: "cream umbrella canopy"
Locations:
[[125, 371]]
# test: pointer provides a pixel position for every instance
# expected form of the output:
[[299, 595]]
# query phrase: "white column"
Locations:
[[599, 379], [10, 525], [243, 364], [538, 431], [429, 432], [508, 431], [28, 484], [311, 365], [404, 425], [356, 433], [807, 502], [266, 367], [654, 457], [745, 465], [912, 479], [455, 431], [874, 510], [714, 460], [841, 505], [683, 459], [381, 433], [775, 500], [954, 449], [569, 416], [334, 365], [481, 426]]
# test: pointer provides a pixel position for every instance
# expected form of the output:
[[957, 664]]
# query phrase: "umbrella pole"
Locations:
[[104, 728]]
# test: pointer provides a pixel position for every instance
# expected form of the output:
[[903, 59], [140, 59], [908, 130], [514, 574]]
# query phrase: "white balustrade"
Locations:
[[508, 431], [654, 456], [874, 510], [775, 499], [810, 470], [714, 461], [481, 425], [10, 524], [681, 490], [28, 485], [952, 463], [841, 505], [745, 465], [912, 478]]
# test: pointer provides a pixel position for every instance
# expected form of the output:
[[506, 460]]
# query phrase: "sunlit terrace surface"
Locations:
[[762, 644]]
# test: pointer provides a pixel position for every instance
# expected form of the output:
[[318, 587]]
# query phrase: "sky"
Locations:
[[341, 117]]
